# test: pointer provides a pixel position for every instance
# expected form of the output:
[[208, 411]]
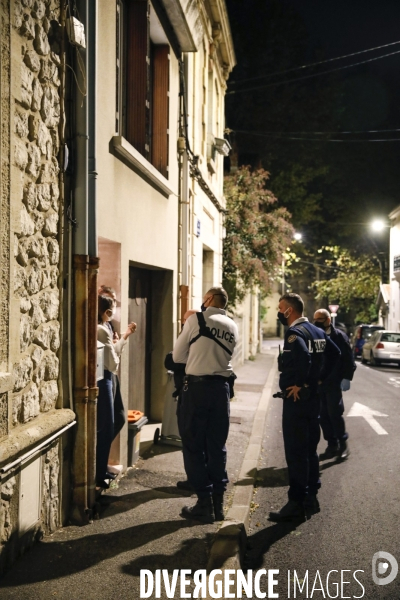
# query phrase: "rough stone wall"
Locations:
[[12, 543], [5, 70], [50, 490], [35, 116]]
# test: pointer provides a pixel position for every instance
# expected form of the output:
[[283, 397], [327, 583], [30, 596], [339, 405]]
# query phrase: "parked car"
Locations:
[[362, 333], [382, 346]]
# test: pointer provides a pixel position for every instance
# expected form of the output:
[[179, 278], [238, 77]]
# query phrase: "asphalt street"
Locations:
[[360, 502]]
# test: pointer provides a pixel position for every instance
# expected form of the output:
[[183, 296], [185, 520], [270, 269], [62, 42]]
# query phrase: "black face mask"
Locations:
[[203, 307], [282, 318], [320, 324]]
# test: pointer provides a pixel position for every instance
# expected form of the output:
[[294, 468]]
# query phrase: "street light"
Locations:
[[297, 236], [378, 225]]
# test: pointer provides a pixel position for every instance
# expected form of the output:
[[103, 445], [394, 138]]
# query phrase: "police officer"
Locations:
[[308, 354], [206, 345], [330, 392]]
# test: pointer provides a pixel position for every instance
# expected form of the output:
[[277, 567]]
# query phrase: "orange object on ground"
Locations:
[[134, 415]]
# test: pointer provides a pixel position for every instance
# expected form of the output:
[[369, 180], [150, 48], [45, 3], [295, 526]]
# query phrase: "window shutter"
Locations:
[[160, 108], [137, 75]]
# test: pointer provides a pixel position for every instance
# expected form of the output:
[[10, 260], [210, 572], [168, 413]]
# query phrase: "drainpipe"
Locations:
[[81, 266], [185, 198], [93, 260]]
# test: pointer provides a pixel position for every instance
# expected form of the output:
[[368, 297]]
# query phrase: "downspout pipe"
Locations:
[[93, 253], [81, 268], [184, 189]]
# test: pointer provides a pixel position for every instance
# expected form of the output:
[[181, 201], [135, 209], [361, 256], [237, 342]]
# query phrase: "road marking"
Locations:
[[395, 381], [360, 410]]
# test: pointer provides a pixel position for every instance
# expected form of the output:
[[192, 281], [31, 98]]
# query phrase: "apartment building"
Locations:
[[111, 150]]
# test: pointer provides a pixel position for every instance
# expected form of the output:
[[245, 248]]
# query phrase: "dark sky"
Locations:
[[343, 26], [368, 95]]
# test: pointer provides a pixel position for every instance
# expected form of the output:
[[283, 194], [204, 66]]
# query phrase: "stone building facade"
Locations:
[[159, 239], [31, 412]]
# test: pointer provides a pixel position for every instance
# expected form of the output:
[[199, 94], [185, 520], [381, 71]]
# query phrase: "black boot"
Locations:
[[344, 450], [292, 511], [311, 504], [330, 452], [218, 502], [202, 511]]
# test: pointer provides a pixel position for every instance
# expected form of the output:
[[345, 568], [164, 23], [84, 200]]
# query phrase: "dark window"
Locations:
[[143, 84], [391, 337]]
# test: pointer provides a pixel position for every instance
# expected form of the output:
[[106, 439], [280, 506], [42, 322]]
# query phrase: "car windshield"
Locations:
[[391, 337]]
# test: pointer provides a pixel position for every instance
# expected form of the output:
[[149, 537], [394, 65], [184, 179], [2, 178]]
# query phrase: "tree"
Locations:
[[353, 282], [257, 233]]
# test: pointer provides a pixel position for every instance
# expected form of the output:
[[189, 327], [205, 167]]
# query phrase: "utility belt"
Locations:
[[199, 378], [304, 394]]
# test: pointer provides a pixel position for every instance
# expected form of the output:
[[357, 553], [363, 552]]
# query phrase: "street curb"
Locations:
[[230, 541]]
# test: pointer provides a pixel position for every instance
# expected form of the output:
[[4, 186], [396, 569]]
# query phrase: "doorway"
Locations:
[[140, 344]]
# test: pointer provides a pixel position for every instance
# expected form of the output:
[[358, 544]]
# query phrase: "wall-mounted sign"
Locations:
[[396, 264], [198, 227]]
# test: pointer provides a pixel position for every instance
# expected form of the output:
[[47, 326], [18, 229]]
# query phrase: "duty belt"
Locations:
[[197, 378]]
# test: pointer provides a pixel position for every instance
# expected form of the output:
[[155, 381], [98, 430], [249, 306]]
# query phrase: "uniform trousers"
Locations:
[[301, 435], [332, 421], [203, 421]]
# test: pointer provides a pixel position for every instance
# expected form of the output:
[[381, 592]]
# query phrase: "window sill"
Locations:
[[138, 163]]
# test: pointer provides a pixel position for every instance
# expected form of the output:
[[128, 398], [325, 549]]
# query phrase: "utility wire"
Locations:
[[317, 132], [308, 66], [280, 137], [260, 87]]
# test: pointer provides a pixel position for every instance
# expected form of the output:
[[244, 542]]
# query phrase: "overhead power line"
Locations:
[[275, 83], [309, 65], [344, 141], [279, 133]]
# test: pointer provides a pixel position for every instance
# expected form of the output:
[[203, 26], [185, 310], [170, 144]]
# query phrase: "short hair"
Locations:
[[106, 289], [324, 312], [294, 300], [221, 296], [104, 303]]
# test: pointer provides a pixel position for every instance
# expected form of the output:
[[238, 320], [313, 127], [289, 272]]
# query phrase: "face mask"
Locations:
[[108, 316], [320, 324], [282, 318], [203, 307], [114, 310]]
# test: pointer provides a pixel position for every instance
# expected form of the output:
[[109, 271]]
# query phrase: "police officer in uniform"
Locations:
[[330, 392], [308, 355], [206, 345]]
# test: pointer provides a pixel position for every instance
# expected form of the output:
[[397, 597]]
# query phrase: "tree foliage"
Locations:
[[351, 280], [257, 233]]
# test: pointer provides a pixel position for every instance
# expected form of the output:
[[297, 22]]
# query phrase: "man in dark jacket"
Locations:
[[308, 357], [330, 391]]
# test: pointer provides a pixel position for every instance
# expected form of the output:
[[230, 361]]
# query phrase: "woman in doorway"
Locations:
[[105, 402]]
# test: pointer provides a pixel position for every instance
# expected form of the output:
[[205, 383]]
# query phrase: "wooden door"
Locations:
[[139, 343]]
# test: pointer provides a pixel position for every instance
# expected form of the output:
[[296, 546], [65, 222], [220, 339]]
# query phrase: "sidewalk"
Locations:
[[140, 526]]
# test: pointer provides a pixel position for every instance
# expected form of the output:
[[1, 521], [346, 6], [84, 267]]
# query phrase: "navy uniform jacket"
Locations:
[[301, 365], [344, 369]]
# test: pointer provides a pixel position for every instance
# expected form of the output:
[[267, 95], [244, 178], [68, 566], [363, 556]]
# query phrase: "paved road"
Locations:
[[360, 502]]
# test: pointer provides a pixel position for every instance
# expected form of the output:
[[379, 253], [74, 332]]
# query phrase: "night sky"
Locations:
[[369, 94]]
